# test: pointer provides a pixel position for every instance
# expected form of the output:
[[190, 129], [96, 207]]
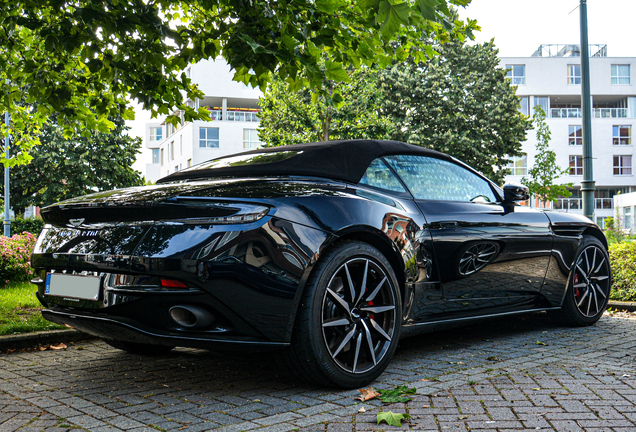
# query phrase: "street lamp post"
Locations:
[[587, 184], [7, 204]]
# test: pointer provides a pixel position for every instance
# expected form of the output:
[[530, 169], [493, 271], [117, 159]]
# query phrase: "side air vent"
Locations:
[[568, 231]]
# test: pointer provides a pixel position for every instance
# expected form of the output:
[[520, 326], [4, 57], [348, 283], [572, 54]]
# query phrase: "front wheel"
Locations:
[[589, 285], [348, 323]]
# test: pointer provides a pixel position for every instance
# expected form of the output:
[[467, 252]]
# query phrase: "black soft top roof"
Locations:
[[339, 160]]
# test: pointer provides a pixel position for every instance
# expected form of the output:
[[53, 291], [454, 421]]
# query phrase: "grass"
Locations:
[[20, 310]]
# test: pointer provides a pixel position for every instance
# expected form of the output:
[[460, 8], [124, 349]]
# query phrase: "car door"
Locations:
[[489, 254]]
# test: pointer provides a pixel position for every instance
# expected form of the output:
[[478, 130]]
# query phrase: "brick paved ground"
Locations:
[[491, 376]]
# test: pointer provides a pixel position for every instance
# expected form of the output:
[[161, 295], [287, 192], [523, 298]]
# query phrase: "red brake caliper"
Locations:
[[576, 290]]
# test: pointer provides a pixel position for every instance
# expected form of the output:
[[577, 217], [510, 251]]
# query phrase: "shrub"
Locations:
[[15, 265], [623, 262], [33, 225]]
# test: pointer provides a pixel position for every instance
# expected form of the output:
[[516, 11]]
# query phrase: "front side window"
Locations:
[[620, 74], [575, 135], [379, 175], [209, 137], [574, 74], [155, 156], [576, 165], [156, 134], [250, 139], [623, 165], [622, 135], [516, 74], [429, 178], [518, 165]]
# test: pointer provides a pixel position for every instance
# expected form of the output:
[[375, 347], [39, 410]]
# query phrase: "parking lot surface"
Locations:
[[520, 373]]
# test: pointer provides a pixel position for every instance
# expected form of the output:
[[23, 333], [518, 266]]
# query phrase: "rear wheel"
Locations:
[[349, 319], [139, 348], [588, 285]]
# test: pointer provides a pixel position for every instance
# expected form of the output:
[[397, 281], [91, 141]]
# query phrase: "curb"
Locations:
[[30, 340], [622, 305]]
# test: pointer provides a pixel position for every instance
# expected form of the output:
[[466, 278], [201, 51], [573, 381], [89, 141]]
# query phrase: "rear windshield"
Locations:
[[246, 159]]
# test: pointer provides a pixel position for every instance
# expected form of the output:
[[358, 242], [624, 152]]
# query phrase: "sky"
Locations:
[[519, 27]]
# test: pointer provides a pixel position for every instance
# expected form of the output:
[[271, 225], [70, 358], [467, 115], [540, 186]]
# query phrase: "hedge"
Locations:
[[623, 262], [15, 255]]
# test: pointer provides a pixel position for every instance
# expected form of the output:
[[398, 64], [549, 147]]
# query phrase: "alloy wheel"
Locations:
[[590, 281], [358, 315]]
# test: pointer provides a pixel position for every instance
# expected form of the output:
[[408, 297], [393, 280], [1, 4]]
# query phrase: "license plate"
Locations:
[[73, 286]]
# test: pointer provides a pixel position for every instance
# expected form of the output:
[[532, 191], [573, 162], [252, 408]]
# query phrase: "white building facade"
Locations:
[[233, 109], [551, 78]]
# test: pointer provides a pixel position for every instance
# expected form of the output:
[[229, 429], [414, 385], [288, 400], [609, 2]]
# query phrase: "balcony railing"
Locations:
[[609, 113], [243, 116], [565, 112], [596, 113], [577, 204]]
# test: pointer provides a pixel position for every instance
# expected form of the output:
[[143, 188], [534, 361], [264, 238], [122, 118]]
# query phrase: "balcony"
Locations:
[[234, 115], [596, 113], [577, 204]]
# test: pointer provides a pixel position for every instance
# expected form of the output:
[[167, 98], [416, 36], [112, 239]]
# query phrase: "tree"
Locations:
[[292, 117], [63, 168], [545, 169], [458, 102], [83, 60]]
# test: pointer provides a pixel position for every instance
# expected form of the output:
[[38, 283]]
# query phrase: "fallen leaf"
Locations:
[[540, 343], [391, 418], [362, 410], [57, 347], [493, 358], [536, 389], [425, 379], [462, 417], [425, 406], [256, 400], [367, 394]]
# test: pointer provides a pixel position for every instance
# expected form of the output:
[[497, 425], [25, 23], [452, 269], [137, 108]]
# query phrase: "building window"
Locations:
[[189, 163], [516, 73], [623, 165], [523, 105], [156, 134], [162, 157], [181, 145], [575, 135], [627, 218], [518, 165], [620, 74], [574, 74], [622, 135], [176, 168], [576, 165], [543, 102], [170, 129], [250, 139], [172, 150], [209, 137], [155, 156]]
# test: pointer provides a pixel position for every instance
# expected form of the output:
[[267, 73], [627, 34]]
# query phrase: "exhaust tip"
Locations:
[[191, 316]]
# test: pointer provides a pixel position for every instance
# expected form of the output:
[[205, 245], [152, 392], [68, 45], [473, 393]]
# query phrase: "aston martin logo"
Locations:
[[76, 222]]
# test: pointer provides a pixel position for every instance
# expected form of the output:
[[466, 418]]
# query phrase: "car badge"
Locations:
[[76, 222]]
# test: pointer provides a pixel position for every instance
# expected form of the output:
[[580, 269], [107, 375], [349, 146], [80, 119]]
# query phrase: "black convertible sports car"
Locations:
[[329, 252]]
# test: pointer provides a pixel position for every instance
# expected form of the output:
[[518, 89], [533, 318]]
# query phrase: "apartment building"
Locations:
[[551, 79], [232, 128]]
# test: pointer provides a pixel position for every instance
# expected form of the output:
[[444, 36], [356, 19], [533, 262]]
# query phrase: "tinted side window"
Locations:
[[436, 179], [379, 175]]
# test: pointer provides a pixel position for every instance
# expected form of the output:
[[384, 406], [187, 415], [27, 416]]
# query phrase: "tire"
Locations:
[[589, 285], [139, 348], [349, 319]]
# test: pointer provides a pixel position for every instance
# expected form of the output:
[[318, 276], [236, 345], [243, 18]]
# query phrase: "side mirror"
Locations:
[[515, 192]]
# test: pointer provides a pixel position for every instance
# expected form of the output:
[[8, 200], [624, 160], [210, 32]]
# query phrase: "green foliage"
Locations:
[[391, 418], [84, 60], [20, 310], [396, 395], [623, 263], [545, 169], [291, 117], [613, 230], [64, 168], [15, 253], [458, 102], [32, 225]]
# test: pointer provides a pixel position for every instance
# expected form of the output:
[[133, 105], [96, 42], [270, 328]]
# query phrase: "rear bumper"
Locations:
[[108, 327]]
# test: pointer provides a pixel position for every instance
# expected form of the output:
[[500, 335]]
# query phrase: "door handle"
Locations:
[[448, 224]]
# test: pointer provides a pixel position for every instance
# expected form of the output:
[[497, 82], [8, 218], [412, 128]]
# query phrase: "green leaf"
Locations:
[[336, 72], [391, 418], [330, 6], [428, 8], [392, 17]]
